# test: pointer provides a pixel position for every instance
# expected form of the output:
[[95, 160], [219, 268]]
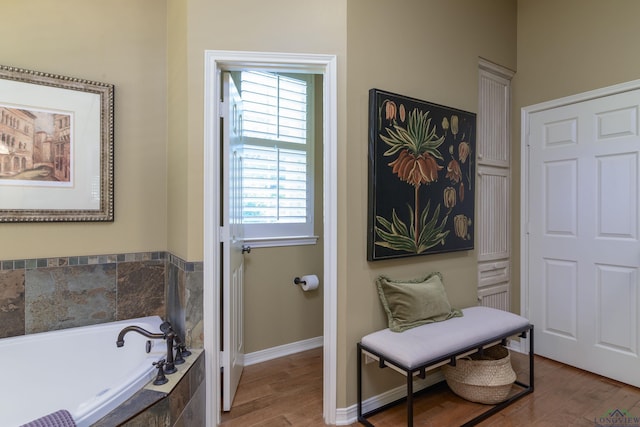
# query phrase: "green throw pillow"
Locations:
[[411, 303]]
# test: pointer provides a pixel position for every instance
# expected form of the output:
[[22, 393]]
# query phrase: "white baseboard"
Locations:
[[346, 416], [282, 350]]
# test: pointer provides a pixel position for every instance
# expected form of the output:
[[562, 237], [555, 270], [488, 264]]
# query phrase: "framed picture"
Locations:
[[421, 177], [56, 148]]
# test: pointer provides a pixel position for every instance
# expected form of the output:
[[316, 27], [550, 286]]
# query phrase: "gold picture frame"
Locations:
[[56, 148]]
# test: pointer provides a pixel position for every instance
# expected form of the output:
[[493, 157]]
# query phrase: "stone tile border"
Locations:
[[33, 263]]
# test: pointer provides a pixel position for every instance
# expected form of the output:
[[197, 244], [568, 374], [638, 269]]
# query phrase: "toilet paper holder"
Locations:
[[307, 283]]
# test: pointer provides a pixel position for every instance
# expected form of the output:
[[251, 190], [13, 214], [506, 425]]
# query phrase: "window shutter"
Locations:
[[277, 183], [274, 185], [274, 107]]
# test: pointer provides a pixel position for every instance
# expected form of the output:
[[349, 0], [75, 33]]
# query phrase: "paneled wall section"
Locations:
[[494, 186]]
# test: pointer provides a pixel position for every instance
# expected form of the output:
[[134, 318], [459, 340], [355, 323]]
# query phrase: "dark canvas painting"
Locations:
[[421, 177]]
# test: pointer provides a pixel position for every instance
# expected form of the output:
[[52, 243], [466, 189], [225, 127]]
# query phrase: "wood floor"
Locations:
[[288, 392]]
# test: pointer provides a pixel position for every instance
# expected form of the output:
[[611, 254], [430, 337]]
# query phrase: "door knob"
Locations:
[[246, 249]]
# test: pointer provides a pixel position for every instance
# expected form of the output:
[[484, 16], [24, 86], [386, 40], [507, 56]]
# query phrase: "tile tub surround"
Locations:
[[184, 301], [12, 309], [44, 294], [179, 402]]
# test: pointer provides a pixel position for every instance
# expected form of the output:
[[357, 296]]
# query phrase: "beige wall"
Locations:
[[427, 50], [178, 130], [277, 312], [565, 48], [121, 42], [309, 27], [424, 49]]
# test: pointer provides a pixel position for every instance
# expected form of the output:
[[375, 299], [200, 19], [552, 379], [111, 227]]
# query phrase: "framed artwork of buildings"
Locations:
[[56, 148]]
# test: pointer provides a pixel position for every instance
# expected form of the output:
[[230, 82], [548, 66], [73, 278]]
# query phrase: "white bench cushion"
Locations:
[[419, 345]]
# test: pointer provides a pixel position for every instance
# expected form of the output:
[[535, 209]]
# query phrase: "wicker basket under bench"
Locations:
[[417, 350]]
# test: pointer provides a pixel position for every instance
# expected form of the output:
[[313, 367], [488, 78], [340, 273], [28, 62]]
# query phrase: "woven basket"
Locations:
[[483, 379]]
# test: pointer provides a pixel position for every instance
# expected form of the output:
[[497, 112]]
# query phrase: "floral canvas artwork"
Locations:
[[421, 177]]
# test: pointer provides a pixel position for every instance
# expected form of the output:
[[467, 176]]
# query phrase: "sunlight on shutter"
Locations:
[[275, 107], [275, 175], [292, 197], [274, 185], [260, 184]]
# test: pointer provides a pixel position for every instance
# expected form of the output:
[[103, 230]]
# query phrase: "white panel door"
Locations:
[[583, 248], [232, 235]]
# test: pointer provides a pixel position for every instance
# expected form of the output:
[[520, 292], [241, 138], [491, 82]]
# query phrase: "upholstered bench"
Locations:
[[414, 351]]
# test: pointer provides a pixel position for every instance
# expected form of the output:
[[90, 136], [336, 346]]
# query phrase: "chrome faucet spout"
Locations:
[[138, 329]]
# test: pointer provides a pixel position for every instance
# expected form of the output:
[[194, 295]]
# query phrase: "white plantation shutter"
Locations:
[[275, 107], [275, 185], [277, 173]]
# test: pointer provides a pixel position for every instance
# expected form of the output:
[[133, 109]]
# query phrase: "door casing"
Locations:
[[215, 62]]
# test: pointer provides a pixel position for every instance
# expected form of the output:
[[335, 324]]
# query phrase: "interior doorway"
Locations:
[[215, 63]]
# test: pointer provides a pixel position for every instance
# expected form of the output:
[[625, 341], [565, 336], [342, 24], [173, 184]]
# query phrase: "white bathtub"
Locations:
[[78, 369]]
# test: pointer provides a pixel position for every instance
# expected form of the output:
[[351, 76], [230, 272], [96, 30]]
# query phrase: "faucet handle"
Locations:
[[160, 378], [178, 359], [166, 327], [182, 348]]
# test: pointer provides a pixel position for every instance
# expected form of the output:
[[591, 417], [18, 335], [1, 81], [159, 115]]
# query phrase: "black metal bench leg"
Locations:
[[409, 399], [359, 382], [531, 358]]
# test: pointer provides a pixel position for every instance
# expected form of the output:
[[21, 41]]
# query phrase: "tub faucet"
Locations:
[[167, 334], [138, 329], [181, 348]]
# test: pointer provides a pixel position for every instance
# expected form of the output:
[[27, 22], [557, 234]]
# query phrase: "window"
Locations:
[[277, 168]]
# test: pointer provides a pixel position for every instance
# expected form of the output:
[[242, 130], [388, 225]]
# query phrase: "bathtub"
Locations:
[[77, 369]]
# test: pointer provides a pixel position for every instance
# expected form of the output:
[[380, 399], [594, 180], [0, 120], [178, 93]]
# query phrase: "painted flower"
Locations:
[[463, 151], [461, 226], [449, 197], [454, 125], [403, 113], [390, 110], [453, 171], [415, 169], [417, 147], [445, 124]]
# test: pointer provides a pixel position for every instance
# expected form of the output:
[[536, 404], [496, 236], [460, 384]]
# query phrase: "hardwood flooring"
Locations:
[[282, 392], [288, 392]]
